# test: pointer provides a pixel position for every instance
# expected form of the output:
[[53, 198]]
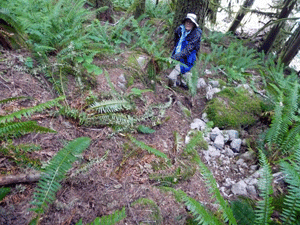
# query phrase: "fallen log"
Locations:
[[22, 178]]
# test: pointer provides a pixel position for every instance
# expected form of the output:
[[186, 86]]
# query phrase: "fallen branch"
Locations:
[[23, 178]]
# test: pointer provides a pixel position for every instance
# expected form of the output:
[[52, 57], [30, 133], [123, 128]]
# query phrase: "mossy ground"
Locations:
[[234, 108]]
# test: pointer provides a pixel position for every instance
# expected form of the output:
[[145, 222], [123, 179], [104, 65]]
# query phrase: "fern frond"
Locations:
[[3, 192], [113, 119], [55, 172], [200, 213], [26, 127], [111, 106], [12, 99], [292, 139], [148, 148], [213, 188], [264, 208], [195, 141], [276, 126], [243, 211], [29, 111], [111, 219], [292, 200]]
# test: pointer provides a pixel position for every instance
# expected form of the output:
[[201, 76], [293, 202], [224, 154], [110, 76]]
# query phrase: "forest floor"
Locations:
[[119, 173]]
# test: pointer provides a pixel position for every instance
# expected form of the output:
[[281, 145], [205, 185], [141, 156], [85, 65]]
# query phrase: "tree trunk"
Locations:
[[286, 10], [13, 179], [183, 7], [107, 14], [140, 8], [291, 48], [240, 15]]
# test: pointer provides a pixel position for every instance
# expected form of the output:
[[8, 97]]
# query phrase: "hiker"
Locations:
[[187, 40]]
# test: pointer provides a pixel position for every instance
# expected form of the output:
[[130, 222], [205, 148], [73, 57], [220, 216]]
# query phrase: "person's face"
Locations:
[[189, 24]]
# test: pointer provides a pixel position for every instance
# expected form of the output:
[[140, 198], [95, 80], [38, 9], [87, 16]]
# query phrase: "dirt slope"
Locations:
[[114, 178]]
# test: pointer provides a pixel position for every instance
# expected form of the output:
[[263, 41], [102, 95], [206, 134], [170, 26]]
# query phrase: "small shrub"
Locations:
[[233, 108]]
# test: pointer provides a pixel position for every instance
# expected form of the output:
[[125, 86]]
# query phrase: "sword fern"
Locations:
[[55, 171]]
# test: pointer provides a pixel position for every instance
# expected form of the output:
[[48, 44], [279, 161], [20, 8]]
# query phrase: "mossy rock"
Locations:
[[234, 108]]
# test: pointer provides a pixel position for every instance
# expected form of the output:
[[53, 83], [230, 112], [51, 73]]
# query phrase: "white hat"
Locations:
[[192, 17]]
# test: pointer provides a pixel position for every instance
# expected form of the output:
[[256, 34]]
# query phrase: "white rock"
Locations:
[[213, 152], [214, 83], [240, 162], [201, 83], [233, 134], [236, 145], [251, 190], [239, 188], [248, 156], [204, 117], [198, 124], [214, 133], [229, 152], [219, 142]]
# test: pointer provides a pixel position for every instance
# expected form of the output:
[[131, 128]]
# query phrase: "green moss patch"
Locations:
[[234, 108]]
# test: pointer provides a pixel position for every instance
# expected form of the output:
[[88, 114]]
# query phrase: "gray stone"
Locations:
[[244, 142], [214, 133], [248, 156], [252, 190], [236, 145], [278, 177], [219, 142], [239, 188], [233, 134], [246, 87], [240, 162], [228, 182], [201, 83], [253, 167], [229, 152], [213, 151], [214, 83], [204, 117], [198, 125], [226, 137], [122, 78], [211, 91]]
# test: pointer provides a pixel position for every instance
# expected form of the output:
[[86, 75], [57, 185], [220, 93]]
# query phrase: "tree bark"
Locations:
[[183, 7], [286, 10], [107, 14], [23, 178], [240, 15], [291, 48]]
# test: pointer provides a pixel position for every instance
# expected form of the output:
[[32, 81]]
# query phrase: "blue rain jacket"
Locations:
[[189, 48]]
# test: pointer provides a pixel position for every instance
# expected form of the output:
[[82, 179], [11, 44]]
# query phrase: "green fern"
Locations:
[[24, 127], [29, 111], [111, 106], [12, 99], [292, 200], [111, 219], [55, 171], [243, 211], [3, 192], [149, 149], [200, 212], [264, 208], [113, 119], [214, 190]]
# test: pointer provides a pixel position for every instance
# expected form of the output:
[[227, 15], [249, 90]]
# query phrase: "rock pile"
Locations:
[[236, 172]]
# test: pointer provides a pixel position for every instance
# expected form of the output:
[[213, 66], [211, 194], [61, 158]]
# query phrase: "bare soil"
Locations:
[[114, 181]]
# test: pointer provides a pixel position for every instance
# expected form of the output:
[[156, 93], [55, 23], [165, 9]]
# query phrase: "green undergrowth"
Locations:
[[234, 108]]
